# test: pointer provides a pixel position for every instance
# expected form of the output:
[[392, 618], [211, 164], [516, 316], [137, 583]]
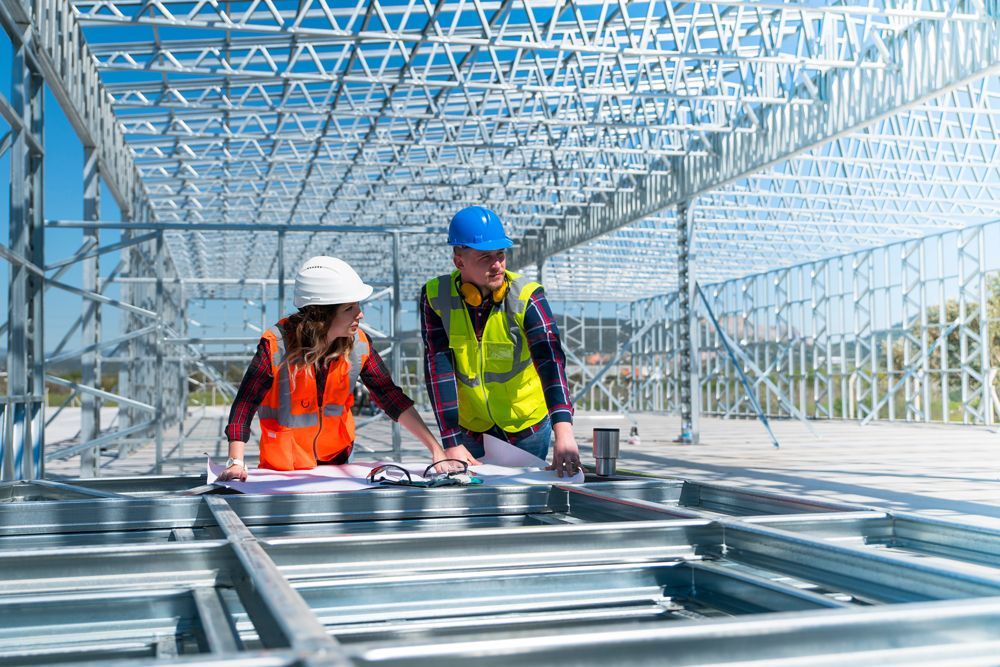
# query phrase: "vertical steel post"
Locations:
[[942, 300], [973, 331], [263, 308], [864, 374], [22, 456], [90, 406], [690, 392], [916, 398], [159, 259], [182, 374], [397, 340], [819, 316], [281, 274]]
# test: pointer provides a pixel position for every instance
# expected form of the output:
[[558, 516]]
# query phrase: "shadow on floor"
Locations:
[[800, 485]]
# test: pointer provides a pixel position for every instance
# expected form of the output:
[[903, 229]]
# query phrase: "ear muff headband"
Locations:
[[474, 297]]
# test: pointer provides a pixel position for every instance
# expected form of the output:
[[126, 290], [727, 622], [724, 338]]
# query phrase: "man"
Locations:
[[494, 363]]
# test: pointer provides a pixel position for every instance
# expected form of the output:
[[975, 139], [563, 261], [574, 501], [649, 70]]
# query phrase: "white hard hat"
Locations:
[[325, 281]]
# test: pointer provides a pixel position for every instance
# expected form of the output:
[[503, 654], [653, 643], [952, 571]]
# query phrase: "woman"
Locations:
[[301, 381]]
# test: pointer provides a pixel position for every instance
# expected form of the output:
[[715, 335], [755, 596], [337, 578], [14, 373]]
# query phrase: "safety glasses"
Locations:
[[456, 474], [389, 472]]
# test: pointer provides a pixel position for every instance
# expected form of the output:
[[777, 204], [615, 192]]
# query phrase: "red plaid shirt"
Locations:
[[258, 379]]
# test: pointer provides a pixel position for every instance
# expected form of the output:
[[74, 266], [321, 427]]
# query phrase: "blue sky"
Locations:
[[63, 185]]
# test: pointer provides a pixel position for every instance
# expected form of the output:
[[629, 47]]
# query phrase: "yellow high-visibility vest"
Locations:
[[497, 381]]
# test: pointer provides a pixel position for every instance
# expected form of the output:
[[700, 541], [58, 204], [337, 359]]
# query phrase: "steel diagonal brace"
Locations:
[[743, 376], [279, 613], [914, 367], [13, 257], [584, 372], [614, 360], [737, 354], [99, 441]]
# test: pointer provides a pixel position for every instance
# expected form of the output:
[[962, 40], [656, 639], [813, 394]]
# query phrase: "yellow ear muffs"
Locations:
[[474, 297]]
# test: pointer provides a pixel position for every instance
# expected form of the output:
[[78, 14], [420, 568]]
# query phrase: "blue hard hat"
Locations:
[[477, 228]]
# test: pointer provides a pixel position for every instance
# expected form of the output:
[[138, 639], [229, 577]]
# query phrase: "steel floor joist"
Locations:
[[627, 570]]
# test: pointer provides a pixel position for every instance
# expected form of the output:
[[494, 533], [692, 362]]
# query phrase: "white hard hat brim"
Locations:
[[356, 294]]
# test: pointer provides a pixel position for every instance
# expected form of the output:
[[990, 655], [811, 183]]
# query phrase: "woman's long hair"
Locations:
[[305, 339]]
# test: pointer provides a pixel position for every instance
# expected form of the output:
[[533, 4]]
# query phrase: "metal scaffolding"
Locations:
[[238, 139], [879, 334]]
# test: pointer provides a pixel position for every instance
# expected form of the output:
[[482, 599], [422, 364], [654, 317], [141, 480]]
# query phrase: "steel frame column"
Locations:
[[973, 331], [159, 258], [822, 369], [889, 277], [90, 405], [916, 391], [748, 330], [945, 372], [22, 455], [397, 340], [690, 387], [864, 376], [783, 362], [281, 274]]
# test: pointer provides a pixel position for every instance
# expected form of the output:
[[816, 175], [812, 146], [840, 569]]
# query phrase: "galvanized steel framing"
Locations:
[[543, 575], [849, 337]]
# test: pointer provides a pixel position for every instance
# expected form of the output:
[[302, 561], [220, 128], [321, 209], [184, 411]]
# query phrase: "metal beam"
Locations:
[[926, 59], [90, 359], [689, 329], [23, 441], [59, 51]]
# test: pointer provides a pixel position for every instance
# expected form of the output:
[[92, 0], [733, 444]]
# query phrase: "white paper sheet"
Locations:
[[321, 479], [503, 463]]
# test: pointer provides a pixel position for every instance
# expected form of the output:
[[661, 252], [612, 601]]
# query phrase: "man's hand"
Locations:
[[565, 453], [235, 472], [457, 452]]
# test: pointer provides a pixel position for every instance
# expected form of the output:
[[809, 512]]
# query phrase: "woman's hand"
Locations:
[[236, 468], [236, 472]]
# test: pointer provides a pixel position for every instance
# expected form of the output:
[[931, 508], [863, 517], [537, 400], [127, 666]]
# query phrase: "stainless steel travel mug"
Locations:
[[606, 450]]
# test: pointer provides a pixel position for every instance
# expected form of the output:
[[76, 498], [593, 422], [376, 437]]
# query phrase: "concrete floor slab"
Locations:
[[938, 470]]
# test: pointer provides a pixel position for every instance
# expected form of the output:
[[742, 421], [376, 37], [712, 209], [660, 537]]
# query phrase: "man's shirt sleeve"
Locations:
[[547, 354]]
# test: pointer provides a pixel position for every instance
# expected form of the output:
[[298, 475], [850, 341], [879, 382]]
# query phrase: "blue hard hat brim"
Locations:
[[493, 244]]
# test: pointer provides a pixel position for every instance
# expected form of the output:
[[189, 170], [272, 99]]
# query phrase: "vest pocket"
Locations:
[[499, 356], [277, 449], [465, 352], [336, 436], [527, 400]]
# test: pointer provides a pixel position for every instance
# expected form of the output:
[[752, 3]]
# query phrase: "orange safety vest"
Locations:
[[296, 433]]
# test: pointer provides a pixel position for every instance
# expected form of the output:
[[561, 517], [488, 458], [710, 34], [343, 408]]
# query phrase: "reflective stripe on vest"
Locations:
[[446, 303]]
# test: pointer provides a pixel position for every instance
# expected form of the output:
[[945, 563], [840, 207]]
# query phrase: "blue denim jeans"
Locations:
[[537, 443]]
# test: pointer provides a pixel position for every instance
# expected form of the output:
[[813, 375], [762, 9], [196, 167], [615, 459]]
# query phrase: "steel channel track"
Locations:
[[627, 569]]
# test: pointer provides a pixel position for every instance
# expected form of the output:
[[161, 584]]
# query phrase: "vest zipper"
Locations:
[[482, 376], [319, 410]]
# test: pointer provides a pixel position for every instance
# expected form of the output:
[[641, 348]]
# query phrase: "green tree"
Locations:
[[952, 347]]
